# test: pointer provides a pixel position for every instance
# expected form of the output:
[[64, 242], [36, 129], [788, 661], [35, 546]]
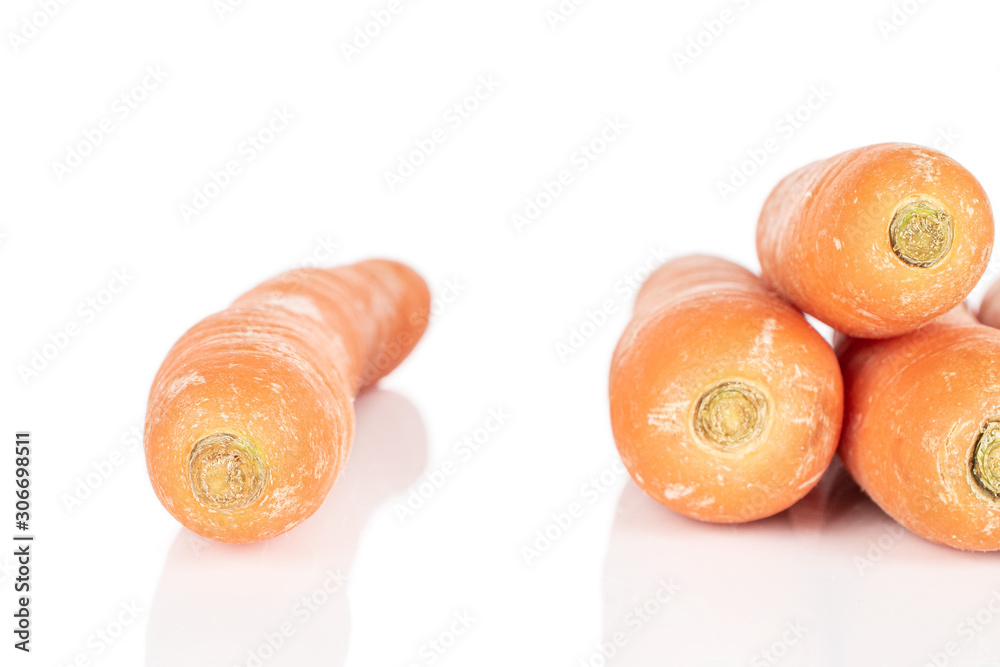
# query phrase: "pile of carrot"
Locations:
[[727, 406]]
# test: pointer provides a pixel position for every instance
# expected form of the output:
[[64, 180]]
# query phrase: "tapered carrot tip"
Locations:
[[876, 241], [251, 417], [725, 403]]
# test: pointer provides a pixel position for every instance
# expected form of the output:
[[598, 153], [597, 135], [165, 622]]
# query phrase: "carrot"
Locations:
[[876, 241], [251, 415], [725, 403], [922, 428], [989, 310]]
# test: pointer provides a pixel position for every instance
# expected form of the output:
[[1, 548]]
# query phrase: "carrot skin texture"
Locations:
[[824, 242], [700, 326], [278, 371], [915, 408], [989, 309]]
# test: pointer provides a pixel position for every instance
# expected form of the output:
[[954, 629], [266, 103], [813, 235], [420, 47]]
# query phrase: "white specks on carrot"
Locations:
[[675, 491], [668, 416], [178, 385], [762, 343], [301, 305]]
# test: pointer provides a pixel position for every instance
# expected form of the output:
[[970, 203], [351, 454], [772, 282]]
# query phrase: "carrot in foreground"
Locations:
[[922, 428], [725, 403], [876, 241], [251, 415]]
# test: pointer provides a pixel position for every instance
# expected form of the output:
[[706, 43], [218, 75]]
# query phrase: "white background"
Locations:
[[831, 582]]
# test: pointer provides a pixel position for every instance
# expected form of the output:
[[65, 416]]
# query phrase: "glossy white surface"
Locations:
[[469, 569]]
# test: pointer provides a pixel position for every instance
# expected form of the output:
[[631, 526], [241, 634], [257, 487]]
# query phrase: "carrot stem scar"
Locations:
[[921, 233], [730, 414], [986, 459], [226, 471]]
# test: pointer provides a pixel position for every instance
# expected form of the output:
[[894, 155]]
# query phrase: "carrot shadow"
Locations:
[[831, 581], [284, 601]]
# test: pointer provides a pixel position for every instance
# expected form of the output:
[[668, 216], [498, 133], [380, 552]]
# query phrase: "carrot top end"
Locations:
[[986, 460], [729, 414], [226, 471], [921, 233]]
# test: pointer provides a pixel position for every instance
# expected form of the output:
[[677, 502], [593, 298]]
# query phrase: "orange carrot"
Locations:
[[989, 310], [922, 428], [725, 403], [251, 415], [876, 241]]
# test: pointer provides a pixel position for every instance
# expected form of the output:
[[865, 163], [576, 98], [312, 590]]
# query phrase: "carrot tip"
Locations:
[[729, 414], [226, 472], [986, 460], [921, 233]]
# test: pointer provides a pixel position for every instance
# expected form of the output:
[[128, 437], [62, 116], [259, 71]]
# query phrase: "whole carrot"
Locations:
[[725, 403], [876, 241], [922, 428], [251, 416]]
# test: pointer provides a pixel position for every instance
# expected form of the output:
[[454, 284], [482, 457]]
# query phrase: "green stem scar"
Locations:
[[986, 460], [729, 414], [226, 471], [921, 233]]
